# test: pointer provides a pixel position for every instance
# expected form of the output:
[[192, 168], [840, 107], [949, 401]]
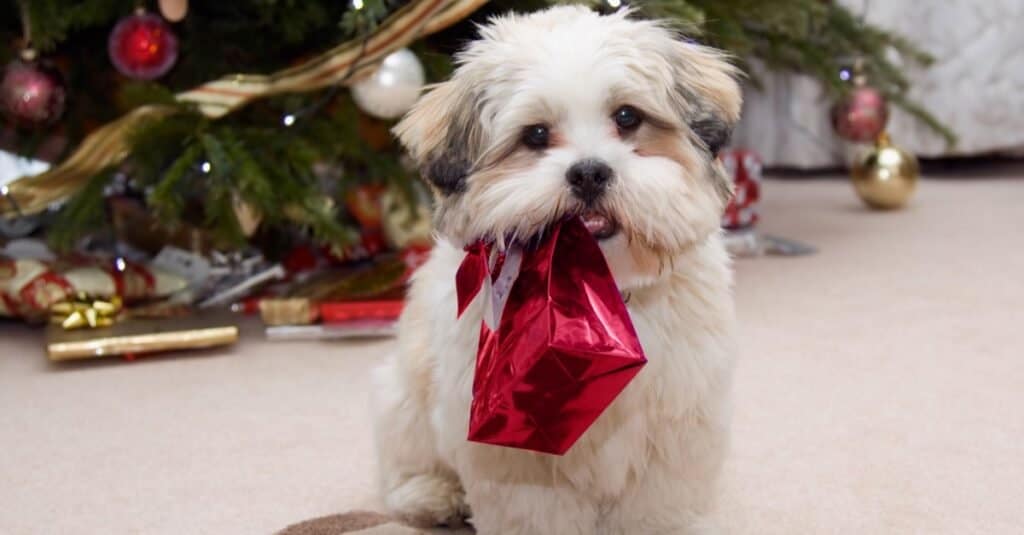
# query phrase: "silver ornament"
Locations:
[[394, 88]]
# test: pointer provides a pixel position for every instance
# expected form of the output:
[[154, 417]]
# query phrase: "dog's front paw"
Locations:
[[429, 500]]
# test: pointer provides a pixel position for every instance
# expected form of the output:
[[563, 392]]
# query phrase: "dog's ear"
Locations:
[[707, 93], [443, 135]]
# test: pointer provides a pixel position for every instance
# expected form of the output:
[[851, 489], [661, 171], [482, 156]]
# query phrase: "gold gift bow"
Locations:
[[81, 311], [345, 63]]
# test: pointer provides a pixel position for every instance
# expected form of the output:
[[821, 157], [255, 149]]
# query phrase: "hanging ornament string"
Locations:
[[107, 145], [26, 25], [848, 74]]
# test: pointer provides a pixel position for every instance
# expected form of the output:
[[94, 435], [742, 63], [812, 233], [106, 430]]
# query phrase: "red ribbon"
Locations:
[[121, 288], [470, 277]]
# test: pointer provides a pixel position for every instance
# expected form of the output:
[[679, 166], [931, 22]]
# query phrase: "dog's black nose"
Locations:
[[589, 178]]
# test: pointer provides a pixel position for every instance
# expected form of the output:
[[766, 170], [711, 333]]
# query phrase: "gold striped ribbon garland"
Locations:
[[345, 63]]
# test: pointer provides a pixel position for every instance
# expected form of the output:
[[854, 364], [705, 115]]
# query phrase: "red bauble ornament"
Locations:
[[32, 92], [142, 46], [861, 115]]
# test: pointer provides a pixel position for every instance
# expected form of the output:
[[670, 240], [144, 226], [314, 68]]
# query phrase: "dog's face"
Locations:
[[569, 112]]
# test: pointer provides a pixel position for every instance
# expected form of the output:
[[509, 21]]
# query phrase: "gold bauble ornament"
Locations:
[[886, 176]]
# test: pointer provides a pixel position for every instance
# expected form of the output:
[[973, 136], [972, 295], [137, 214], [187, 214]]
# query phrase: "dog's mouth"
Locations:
[[600, 225]]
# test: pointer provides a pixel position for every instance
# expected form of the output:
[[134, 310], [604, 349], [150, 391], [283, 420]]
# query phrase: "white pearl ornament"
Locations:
[[394, 88]]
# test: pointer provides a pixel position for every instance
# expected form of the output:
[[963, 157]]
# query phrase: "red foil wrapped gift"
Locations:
[[556, 345]]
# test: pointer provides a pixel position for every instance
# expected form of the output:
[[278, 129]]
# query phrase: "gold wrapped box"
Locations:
[[136, 336]]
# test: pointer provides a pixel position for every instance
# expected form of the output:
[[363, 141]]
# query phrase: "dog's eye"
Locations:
[[627, 118], [536, 136]]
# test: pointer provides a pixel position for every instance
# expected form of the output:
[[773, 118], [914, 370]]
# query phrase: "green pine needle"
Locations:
[[254, 159]]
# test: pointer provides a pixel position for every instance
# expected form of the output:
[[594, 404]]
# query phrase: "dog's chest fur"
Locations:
[[684, 323]]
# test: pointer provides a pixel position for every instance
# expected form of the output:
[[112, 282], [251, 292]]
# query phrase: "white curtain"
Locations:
[[976, 87]]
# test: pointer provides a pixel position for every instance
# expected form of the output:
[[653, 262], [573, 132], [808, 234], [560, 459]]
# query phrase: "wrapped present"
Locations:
[[304, 311], [366, 291], [556, 346], [745, 168], [287, 311], [384, 277], [349, 330], [130, 337], [30, 287], [345, 311]]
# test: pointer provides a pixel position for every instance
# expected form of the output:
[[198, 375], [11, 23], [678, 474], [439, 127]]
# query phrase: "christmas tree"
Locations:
[[250, 118]]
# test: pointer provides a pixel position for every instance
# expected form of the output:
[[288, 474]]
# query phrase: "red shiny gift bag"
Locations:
[[556, 345]]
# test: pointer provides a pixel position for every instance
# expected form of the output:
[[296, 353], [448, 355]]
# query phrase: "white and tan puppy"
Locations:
[[569, 112]]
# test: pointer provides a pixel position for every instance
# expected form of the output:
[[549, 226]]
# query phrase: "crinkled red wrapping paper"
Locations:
[[563, 349]]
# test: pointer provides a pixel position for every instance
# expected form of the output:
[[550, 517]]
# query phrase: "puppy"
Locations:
[[559, 112]]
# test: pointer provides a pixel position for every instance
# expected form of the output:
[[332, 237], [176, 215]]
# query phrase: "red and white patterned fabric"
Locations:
[[745, 167], [28, 287]]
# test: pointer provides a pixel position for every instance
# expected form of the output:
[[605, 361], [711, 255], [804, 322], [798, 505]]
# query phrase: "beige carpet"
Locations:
[[881, 391]]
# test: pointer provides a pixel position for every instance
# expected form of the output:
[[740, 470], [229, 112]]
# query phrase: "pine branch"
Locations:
[[255, 159], [83, 213], [365, 19], [165, 197], [51, 21], [924, 116]]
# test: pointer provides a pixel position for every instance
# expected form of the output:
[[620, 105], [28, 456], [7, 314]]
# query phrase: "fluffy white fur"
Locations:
[[649, 463]]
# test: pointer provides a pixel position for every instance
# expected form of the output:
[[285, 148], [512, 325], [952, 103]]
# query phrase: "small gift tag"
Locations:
[[501, 287]]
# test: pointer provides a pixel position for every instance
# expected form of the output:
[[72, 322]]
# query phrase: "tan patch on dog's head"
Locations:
[[668, 142]]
